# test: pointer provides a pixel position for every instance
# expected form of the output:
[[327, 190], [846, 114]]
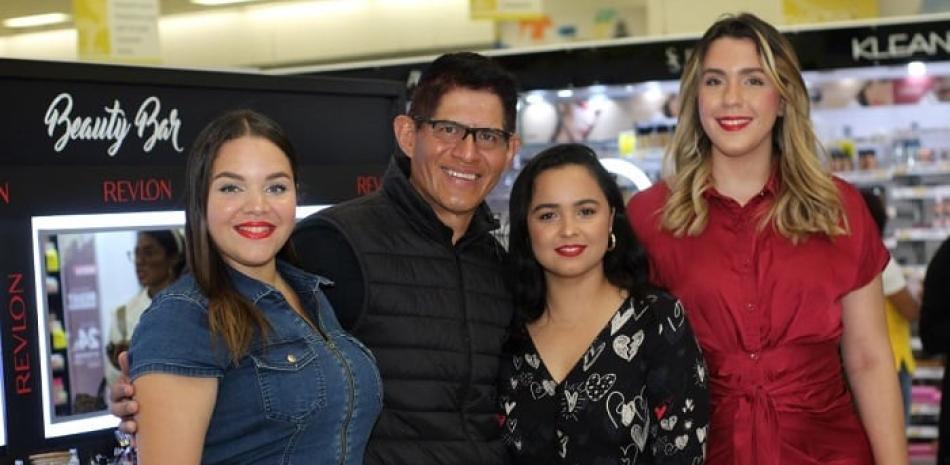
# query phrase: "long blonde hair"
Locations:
[[807, 200]]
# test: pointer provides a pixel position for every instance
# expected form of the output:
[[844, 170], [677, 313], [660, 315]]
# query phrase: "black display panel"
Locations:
[[101, 140]]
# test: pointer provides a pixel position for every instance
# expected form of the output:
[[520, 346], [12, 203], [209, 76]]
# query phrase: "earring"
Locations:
[[612, 242]]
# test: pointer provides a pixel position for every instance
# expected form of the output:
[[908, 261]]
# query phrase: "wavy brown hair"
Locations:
[[807, 200], [231, 317]]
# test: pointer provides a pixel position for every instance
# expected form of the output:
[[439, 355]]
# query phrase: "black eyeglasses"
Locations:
[[452, 132]]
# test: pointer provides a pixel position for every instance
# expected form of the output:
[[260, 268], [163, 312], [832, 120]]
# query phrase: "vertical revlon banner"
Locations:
[[818, 11], [504, 10], [124, 31]]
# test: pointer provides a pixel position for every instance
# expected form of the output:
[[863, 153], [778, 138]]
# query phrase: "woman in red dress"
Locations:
[[777, 262]]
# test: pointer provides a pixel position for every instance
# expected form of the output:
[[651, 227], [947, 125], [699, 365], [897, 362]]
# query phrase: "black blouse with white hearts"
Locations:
[[638, 395]]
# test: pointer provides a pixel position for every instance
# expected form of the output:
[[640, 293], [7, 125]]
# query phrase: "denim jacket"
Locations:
[[299, 397]]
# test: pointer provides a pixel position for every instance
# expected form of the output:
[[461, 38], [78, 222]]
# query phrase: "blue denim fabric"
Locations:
[[298, 397]]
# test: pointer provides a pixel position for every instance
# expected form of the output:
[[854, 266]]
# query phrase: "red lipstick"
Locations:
[[255, 229], [733, 123], [570, 250]]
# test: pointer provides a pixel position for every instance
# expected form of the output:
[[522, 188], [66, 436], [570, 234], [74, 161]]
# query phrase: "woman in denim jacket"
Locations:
[[243, 360]]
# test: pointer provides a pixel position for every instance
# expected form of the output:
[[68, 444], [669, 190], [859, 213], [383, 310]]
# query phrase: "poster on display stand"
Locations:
[[93, 154]]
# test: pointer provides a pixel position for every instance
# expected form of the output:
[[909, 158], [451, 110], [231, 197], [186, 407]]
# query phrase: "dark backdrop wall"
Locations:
[[86, 139]]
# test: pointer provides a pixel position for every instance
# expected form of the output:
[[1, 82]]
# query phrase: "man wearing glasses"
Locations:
[[418, 277]]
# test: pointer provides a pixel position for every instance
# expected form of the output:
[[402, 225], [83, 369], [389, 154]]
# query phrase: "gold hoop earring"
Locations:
[[612, 242]]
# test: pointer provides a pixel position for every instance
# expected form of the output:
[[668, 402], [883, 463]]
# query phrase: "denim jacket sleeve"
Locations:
[[173, 337]]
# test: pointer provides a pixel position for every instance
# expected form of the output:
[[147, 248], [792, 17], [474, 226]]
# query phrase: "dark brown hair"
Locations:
[[465, 70], [625, 265], [231, 317]]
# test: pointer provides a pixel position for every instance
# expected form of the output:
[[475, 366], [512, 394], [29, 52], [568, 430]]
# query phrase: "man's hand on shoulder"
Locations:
[[121, 393]]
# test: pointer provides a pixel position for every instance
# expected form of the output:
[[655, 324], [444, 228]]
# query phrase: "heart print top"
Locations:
[[637, 395]]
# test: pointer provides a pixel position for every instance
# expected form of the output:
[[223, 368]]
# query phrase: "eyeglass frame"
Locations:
[[505, 135]]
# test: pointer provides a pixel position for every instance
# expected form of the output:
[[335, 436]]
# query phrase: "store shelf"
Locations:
[[923, 169], [866, 177], [930, 459], [924, 409], [929, 372], [927, 460], [916, 228], [921, 234], [886, 175], [922, 432], [920, 192]]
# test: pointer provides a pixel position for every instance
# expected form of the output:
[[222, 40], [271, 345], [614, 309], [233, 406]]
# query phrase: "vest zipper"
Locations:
[[467, 338]]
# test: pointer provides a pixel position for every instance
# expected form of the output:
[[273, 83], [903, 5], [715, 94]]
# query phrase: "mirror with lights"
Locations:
[[94, 276]]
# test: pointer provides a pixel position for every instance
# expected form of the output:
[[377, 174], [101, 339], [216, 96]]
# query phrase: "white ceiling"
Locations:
[[14, 8]]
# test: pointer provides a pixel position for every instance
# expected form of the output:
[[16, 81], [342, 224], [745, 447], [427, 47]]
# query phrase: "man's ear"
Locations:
[[405, 130], [513, 145]]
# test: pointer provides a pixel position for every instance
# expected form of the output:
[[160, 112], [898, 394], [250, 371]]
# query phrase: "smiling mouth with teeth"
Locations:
[[256, 230], [461, 175]]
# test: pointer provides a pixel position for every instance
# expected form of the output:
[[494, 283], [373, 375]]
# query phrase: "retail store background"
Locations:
[[268, 34], [615, 95]]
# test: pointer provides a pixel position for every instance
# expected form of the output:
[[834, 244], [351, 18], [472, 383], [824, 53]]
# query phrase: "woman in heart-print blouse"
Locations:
[[601, 367]]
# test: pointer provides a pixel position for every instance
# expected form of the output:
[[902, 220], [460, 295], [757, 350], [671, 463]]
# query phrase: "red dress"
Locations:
[[767, 314]]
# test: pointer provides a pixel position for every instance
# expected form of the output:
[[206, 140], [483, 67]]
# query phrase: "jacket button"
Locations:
[[292, 358]]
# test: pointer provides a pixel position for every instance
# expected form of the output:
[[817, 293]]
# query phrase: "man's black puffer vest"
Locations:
[[435, 315]]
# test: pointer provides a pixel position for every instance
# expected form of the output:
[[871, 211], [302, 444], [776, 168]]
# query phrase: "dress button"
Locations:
[[750, 307], [291, 358], [754, 355]]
